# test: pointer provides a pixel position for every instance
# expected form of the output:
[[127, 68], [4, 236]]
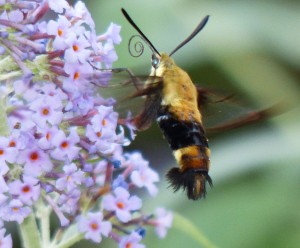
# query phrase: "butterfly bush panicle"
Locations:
[[61, 143]]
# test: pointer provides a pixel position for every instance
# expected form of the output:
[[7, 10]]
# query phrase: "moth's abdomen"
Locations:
[[181, 134], [190, 147]]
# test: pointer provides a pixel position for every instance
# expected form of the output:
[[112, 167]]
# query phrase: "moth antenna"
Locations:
[[192, 35], [139, 31], [137, 46]]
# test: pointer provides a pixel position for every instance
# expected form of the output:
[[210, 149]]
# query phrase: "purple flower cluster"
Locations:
[[60, 142]]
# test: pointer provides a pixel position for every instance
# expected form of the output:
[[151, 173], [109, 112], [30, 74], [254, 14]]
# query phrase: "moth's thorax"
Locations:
[[179, 92]]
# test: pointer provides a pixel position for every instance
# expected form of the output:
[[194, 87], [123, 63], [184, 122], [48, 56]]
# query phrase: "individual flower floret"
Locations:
[[102, 131], [106, 118], [120, 182], [135, 160], [112, 33], [47, 110], [93, 226], [61, 29], [27, 191], [72, 177], [78, 76], [36, 161], [7, 153], [65, 146], [5, 241], [15, 210], [69, 202], [59, 6], [145, 177], [81, 11], [122, 204], [77, 50], [131, 241], [162, 222], [46, 136]]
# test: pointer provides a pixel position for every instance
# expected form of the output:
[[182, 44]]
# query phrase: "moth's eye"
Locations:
[[155, 61]]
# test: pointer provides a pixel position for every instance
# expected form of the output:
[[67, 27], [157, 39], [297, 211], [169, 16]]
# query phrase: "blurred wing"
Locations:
[[149, 112], [138, 95], [224, 112], [248, 118]]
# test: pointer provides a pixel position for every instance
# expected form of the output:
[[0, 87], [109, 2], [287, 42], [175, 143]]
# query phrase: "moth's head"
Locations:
[[162, 60]]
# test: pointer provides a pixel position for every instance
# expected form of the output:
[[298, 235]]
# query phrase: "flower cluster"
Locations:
[[61, 145]]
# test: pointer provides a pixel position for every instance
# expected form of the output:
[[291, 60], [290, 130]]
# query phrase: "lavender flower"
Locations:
[[61, 143], [27, 191], [162, 222], [131, 241], [93, 226], [71, 178], [5, 241], [122, 204], [145, 177], [14, 210]]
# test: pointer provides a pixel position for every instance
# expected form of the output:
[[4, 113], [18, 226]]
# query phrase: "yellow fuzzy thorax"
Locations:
[[179, 92]]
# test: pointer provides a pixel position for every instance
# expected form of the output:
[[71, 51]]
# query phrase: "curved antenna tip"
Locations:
[[139, 31]]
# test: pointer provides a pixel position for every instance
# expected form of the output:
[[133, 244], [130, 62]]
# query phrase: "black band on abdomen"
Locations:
[[180, 134]]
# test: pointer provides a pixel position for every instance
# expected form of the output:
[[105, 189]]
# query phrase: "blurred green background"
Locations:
[[251, 48]]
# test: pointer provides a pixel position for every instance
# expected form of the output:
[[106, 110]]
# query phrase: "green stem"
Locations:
[[4, 128], [187, 227], [30, 233], [70, 241], [45, 225], [4, 61], [10, 75], [67, 237]]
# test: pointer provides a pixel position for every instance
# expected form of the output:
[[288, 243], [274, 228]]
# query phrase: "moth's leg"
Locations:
[[133, 78]]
